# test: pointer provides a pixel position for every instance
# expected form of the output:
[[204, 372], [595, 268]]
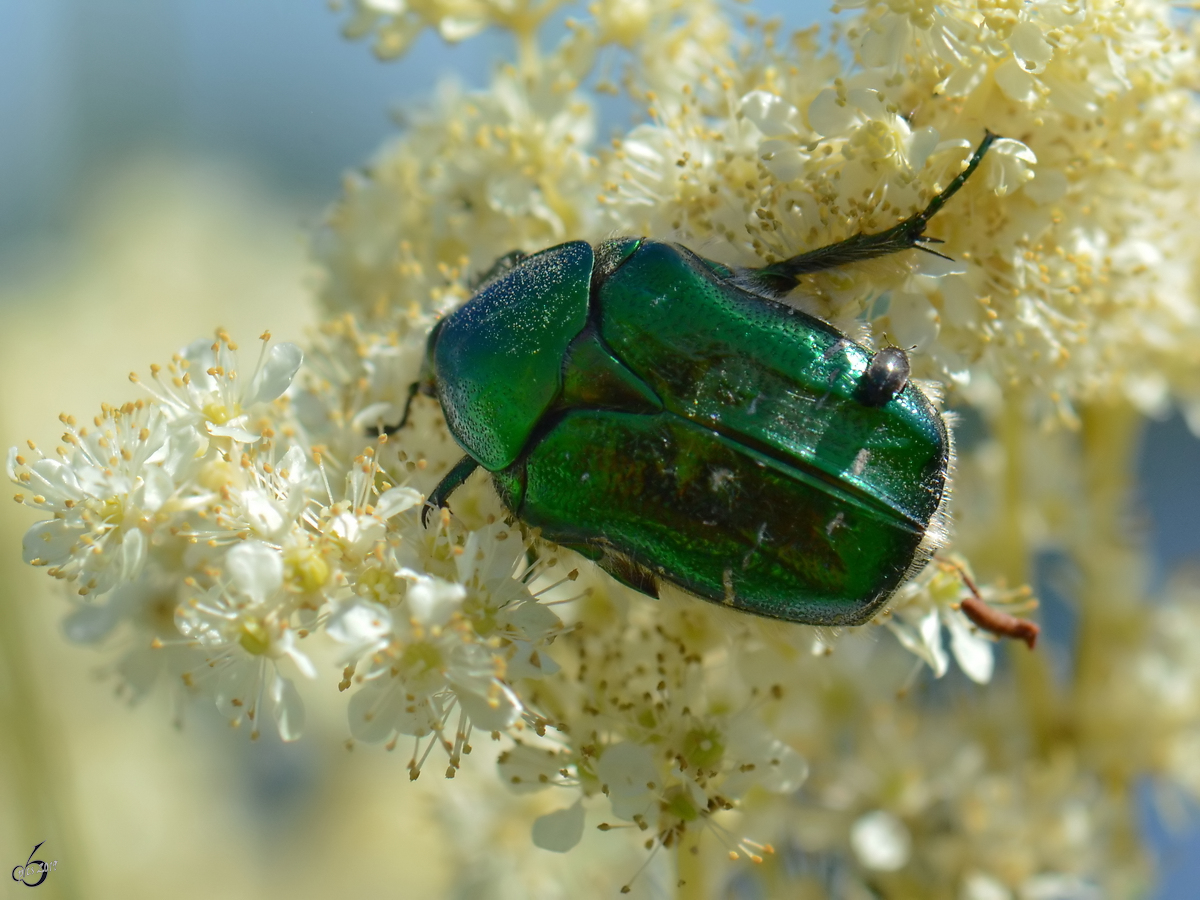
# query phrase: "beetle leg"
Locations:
[[630, 574], [413, 390], [426, 383], [417, 387], [503, 264], [463, 469], [777, 279]]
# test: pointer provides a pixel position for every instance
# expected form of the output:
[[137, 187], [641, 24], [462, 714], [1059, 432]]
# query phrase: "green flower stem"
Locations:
[[1114, 725], [689, 867], [1008, 556]]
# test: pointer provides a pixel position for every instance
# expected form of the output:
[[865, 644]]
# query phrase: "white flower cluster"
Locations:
[[221, 531], [232, 517]]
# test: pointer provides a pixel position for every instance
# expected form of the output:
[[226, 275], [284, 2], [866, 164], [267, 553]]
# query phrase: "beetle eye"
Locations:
[[885, 377]]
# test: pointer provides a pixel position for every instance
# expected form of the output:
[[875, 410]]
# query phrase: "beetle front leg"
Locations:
[[413, 390], [425, 384], [779, 278], [501, 266], [455, 478]]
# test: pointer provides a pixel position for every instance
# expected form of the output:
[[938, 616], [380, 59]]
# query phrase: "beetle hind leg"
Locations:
[[630, 574], [778, 279]]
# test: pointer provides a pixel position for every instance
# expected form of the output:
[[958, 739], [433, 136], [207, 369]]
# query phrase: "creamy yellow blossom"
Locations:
[[260, 511]]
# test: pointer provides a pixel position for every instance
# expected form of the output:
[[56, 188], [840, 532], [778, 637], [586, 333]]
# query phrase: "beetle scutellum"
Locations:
[[667, 416]]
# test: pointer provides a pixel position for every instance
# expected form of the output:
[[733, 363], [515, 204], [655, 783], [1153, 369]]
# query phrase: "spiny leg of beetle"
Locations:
[[413, 390], [779, 278], [455, 478]]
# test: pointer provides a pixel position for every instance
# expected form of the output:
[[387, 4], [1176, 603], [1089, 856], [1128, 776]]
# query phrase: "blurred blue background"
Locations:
[[268, 89]]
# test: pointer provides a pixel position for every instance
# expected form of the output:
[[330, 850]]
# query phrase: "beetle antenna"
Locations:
[[779, 278]]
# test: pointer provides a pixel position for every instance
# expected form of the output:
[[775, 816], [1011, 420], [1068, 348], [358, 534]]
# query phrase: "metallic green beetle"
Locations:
[[668, 417]]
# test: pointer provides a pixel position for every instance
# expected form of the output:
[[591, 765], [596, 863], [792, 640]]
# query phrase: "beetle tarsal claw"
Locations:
[[455, 478], [426, 508]]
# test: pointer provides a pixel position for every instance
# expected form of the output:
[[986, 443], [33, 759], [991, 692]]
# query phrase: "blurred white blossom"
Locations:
[[253, 503]]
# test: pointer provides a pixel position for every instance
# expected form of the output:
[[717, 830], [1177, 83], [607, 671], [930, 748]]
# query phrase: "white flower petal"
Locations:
[[1010, 166], [397, 500], [264, 514], [771, 114], [972, 651], [628, 770], [827, 115], [781, 159], [276, 374], [157, 488], [234, 432], [526, 769], [774, 765], [431, 601], [532, 617], [1016, 83], [561, 830], [295, 464], [287, 645], [133, 553], [359, 623], [88, 624], [881, 841], [1030, 46], [371, 713], [496, 711], [924, 142], [1048, 186], [923, 640], [980, 886], [49, 476], [256, 569], [374, 412], [49, 541], [914, 321], [931, 636], [458, 28], [288, 708]]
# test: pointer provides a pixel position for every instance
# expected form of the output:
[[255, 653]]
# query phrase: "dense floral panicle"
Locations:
[[136, 618], [437, 650], [205, 385], [651, 712], [483, 174], [243, 624], [247, 509], [106, 492], [355, 382], [394, 24]]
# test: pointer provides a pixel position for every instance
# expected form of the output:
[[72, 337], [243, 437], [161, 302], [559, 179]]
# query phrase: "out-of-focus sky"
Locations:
[[160, 164]]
